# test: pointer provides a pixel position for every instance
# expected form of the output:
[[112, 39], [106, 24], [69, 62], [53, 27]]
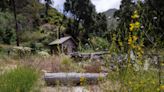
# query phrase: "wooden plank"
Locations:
[[73, 78]]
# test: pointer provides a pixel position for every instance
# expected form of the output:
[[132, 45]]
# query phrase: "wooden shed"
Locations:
[[65, 45]]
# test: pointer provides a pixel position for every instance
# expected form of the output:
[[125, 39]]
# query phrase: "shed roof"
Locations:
[[61, 40]]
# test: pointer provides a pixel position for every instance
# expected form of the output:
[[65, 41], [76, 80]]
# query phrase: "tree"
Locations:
[[101, 25], [7, 34], [84, 13], [4, 5], [16, 22], [47, 5], [158, 7]]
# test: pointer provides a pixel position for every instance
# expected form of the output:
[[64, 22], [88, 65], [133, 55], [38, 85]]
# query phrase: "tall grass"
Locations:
[[132, 81], [21, 79]]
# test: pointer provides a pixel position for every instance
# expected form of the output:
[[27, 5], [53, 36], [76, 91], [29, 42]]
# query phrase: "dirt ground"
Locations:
[[72, 89]]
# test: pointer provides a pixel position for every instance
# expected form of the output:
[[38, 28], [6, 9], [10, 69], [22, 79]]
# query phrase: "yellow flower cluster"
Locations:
[[140, 51], [82, 80], [134, 26], [135, 15], [135, 38], [132, 39]]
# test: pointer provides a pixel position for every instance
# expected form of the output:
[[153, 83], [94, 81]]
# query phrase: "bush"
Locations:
[[99, 43], [67, 63], [7, 34], [18, 80]]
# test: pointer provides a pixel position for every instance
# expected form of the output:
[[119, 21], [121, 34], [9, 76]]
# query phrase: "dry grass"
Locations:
[[94, 67], [109, 86], [61, 63]]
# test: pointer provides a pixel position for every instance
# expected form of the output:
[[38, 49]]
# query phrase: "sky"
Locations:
[[101, 5]]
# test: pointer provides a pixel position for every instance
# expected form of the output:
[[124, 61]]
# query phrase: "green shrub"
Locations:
[[99, 43], [18, 80]]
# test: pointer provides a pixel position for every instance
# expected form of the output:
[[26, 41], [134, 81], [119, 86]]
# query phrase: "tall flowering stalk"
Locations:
[[135, 39]]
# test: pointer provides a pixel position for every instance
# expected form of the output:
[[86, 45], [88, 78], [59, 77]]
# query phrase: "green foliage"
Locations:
[[18, 80], [84, 13], [99, 43], [4, 4], [136, 81], [7, 34], [66, 60], [100, 25], [47, 6], [32, 21], [151, 19]]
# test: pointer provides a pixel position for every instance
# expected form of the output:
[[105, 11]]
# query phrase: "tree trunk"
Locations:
[[47, 8], [16, 22]]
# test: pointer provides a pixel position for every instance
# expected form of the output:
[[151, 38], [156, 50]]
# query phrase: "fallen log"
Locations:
[[73, 78], [88, 55]]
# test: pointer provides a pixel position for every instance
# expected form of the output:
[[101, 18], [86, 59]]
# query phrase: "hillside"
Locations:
[[110, 12], [112, 23], [35, 28]]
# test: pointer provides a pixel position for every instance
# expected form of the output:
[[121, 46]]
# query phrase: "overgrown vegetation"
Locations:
[[132, 35], [21, 79]]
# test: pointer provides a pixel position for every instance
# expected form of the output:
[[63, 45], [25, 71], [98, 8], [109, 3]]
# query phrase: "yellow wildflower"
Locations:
[[142, 52], [135, 38], [137, 25], [133, 46], [142, 44], [135, 15], [139, 48], [130, 40], [132, 17], [162, 87], [82, 80], [139, 54], [132, 26]]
